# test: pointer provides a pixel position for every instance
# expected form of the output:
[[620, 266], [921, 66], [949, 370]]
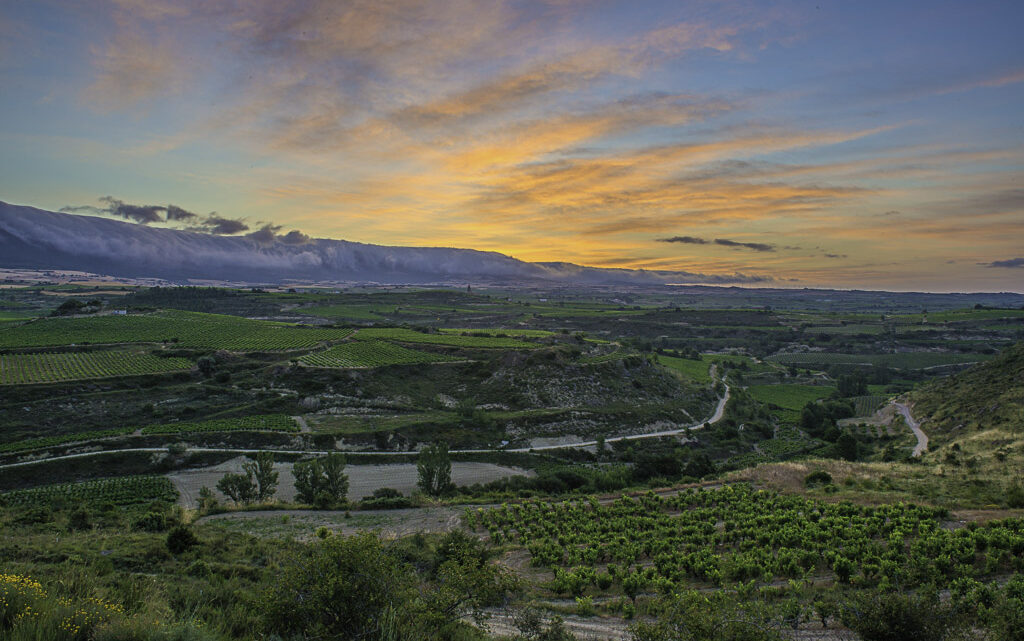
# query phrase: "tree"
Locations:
[[321, 482], [846, 446], [262, 470], [206, 365], [852, 385], [435, 470], [240, 488]]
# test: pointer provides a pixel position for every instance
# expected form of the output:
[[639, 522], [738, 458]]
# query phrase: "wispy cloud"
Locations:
[[133, 69]]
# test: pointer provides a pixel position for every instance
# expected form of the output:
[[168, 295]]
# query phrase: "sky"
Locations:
[[873, 145]]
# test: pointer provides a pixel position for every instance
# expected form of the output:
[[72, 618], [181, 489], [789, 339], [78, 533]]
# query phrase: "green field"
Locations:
[[455, 340], [525, 333], [370, 354], [21, 369], [263, 423], [902, 360], [790, 397], [694, 370], [124, 490], [185, 329]]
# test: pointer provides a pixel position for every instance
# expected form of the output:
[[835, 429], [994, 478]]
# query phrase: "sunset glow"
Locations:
[[872, 145]]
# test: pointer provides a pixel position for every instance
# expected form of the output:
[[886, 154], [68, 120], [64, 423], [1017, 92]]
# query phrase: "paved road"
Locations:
[[915, 427], [714, 418]]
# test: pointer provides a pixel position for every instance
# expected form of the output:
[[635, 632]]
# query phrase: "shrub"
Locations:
[[152, 521], [79, 520], [180, 539], [816, 478], [877, 616]]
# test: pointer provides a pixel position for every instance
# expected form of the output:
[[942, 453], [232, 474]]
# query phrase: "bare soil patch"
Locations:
[[363, 479]]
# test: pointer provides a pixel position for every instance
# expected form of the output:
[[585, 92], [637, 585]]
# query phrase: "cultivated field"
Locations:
[[21, 369]]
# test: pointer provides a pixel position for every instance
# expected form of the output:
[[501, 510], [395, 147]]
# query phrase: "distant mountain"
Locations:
[[32, 238]]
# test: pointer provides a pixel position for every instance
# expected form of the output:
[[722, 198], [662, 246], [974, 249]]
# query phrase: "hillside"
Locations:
[[987, 396]]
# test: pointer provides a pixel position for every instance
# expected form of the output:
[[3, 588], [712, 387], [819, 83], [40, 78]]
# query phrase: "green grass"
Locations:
[[21, 369], [694, 370], [262, 423], [402, 335], [903, 360], [185, 329], [370, 354], [790, 397], [525, 333]]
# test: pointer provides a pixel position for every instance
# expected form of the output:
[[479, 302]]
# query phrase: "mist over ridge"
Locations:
[[37, 239]]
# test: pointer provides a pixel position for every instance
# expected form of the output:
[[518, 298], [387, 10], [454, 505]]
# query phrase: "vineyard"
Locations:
[[370, 354], [264, 423], [787, 443], [902, 360], [124, 490], [737, 534], [65, 439], [868, 405], [21, 369], [455, 340], [186, 329]]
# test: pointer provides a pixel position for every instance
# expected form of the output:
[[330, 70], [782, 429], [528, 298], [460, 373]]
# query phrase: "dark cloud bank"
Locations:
[[693, 240], [1009, 262], [205, 248]]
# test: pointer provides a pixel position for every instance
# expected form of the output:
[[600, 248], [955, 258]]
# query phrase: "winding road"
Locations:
[[915, 427], [715, 417]]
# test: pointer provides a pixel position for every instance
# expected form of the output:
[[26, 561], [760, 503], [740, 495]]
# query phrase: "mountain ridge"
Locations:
[[32, 238]]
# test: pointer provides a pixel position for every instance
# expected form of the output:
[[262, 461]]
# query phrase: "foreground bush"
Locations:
[[28, 612]]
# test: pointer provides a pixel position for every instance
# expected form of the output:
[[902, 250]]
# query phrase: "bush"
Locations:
[[1015, 496], [340, 588], [79, 520], [180, 539], [152, 521], [817, 478], [877, 616]]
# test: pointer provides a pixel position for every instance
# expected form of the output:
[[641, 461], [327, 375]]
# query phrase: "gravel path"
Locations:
[[915, 427], [362, 479]]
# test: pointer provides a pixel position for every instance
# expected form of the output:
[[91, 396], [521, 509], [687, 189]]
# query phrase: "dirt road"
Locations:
[[915, 427]]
